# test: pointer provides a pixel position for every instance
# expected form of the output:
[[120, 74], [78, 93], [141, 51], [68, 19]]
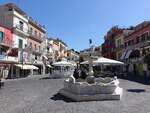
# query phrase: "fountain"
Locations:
[[101, 89], [92, 89]]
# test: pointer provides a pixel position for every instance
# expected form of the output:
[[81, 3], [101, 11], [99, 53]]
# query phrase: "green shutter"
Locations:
[[20, 43]]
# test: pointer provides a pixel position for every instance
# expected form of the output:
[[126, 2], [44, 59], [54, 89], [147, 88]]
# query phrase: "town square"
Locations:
[[74, 56]]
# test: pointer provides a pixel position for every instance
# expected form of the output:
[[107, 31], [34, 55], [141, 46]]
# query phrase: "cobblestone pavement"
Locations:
[[35, 95]]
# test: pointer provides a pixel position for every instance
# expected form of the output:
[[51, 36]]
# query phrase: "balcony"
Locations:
[[35, 37], [139, 45], [20, 30], [120, 47], [3, 43], [37, 51]]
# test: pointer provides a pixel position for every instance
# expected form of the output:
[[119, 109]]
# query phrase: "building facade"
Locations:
[[7, 52], [72, 55], [94, 51], [15, 19], [109, 45], [28, 40], [137, 47], [37, 36]]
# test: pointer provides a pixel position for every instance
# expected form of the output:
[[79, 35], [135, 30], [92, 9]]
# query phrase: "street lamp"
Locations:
[[90, 59]]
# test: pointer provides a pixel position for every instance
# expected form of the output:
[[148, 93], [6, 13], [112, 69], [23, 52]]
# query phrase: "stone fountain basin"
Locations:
[[89, 89]]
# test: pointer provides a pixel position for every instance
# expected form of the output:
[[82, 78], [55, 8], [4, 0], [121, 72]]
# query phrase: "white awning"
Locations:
[[63, 63], [45, 57], [49, 66], [128, 54], [123, 55], [104, 61], [26, 67], [147, 47]]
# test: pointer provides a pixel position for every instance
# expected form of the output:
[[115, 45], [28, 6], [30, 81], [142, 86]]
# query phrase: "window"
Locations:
[[137, 39], [130, 42], [31, 30], [39, 35], [35, 33], [21, 25], [1, 36], [10, 9], [35, 47], [0, 51], [39, 48], [20, 43], [119, 43], [30, 45], [144, 36]]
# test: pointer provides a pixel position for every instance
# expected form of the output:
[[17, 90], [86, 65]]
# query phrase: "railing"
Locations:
[[138, 45], [119, 47], [35, 36], [21, 28]]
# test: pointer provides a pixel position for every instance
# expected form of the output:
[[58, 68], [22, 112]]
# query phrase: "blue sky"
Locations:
[[76, 21]]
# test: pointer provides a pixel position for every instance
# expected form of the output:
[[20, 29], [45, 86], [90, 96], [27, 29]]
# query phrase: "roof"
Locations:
[[35, 24], [16, 8], [139, 27]]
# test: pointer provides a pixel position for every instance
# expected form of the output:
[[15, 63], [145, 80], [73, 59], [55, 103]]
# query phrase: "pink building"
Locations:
[[137, 47]]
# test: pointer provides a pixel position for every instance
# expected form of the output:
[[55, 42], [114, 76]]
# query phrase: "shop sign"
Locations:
[[2, 57]]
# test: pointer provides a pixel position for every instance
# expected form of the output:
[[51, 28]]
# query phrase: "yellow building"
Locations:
[[119, 43]]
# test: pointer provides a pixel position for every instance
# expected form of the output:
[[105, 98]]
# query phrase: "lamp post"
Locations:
[[90, 59]]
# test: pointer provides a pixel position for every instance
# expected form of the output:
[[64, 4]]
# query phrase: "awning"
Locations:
[[123, 55], [26, 67], [104, 61], [49, 66], [128, 54], [63, 63], [45, 57]]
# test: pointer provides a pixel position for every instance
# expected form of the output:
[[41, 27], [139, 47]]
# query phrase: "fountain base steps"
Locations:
[[93, 97]]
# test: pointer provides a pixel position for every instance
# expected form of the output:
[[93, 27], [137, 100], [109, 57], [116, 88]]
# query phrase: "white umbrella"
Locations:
[[63, 63], [105, 61]]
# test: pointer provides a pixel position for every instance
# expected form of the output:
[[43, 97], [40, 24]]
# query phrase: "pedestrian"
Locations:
[[83, 74], [76, 74]]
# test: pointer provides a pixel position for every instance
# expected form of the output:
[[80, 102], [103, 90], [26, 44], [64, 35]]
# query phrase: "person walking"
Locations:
[[76, 74]]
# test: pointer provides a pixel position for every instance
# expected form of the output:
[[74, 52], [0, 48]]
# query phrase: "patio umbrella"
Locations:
[[104, 61]]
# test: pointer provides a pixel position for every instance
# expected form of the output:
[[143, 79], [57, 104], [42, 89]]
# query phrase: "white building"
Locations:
[[94, 51], [72, 55], [15, 19]]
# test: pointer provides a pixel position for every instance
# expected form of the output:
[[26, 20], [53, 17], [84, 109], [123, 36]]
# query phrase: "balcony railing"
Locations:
[[36, 37], [119, 47], [138, 45], [8, 43], [37, 51], [21, 29]]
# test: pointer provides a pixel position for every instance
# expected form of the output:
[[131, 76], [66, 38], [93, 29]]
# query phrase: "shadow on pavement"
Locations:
[[142, 80], [136, 90], [44, 78], [61, 97]]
